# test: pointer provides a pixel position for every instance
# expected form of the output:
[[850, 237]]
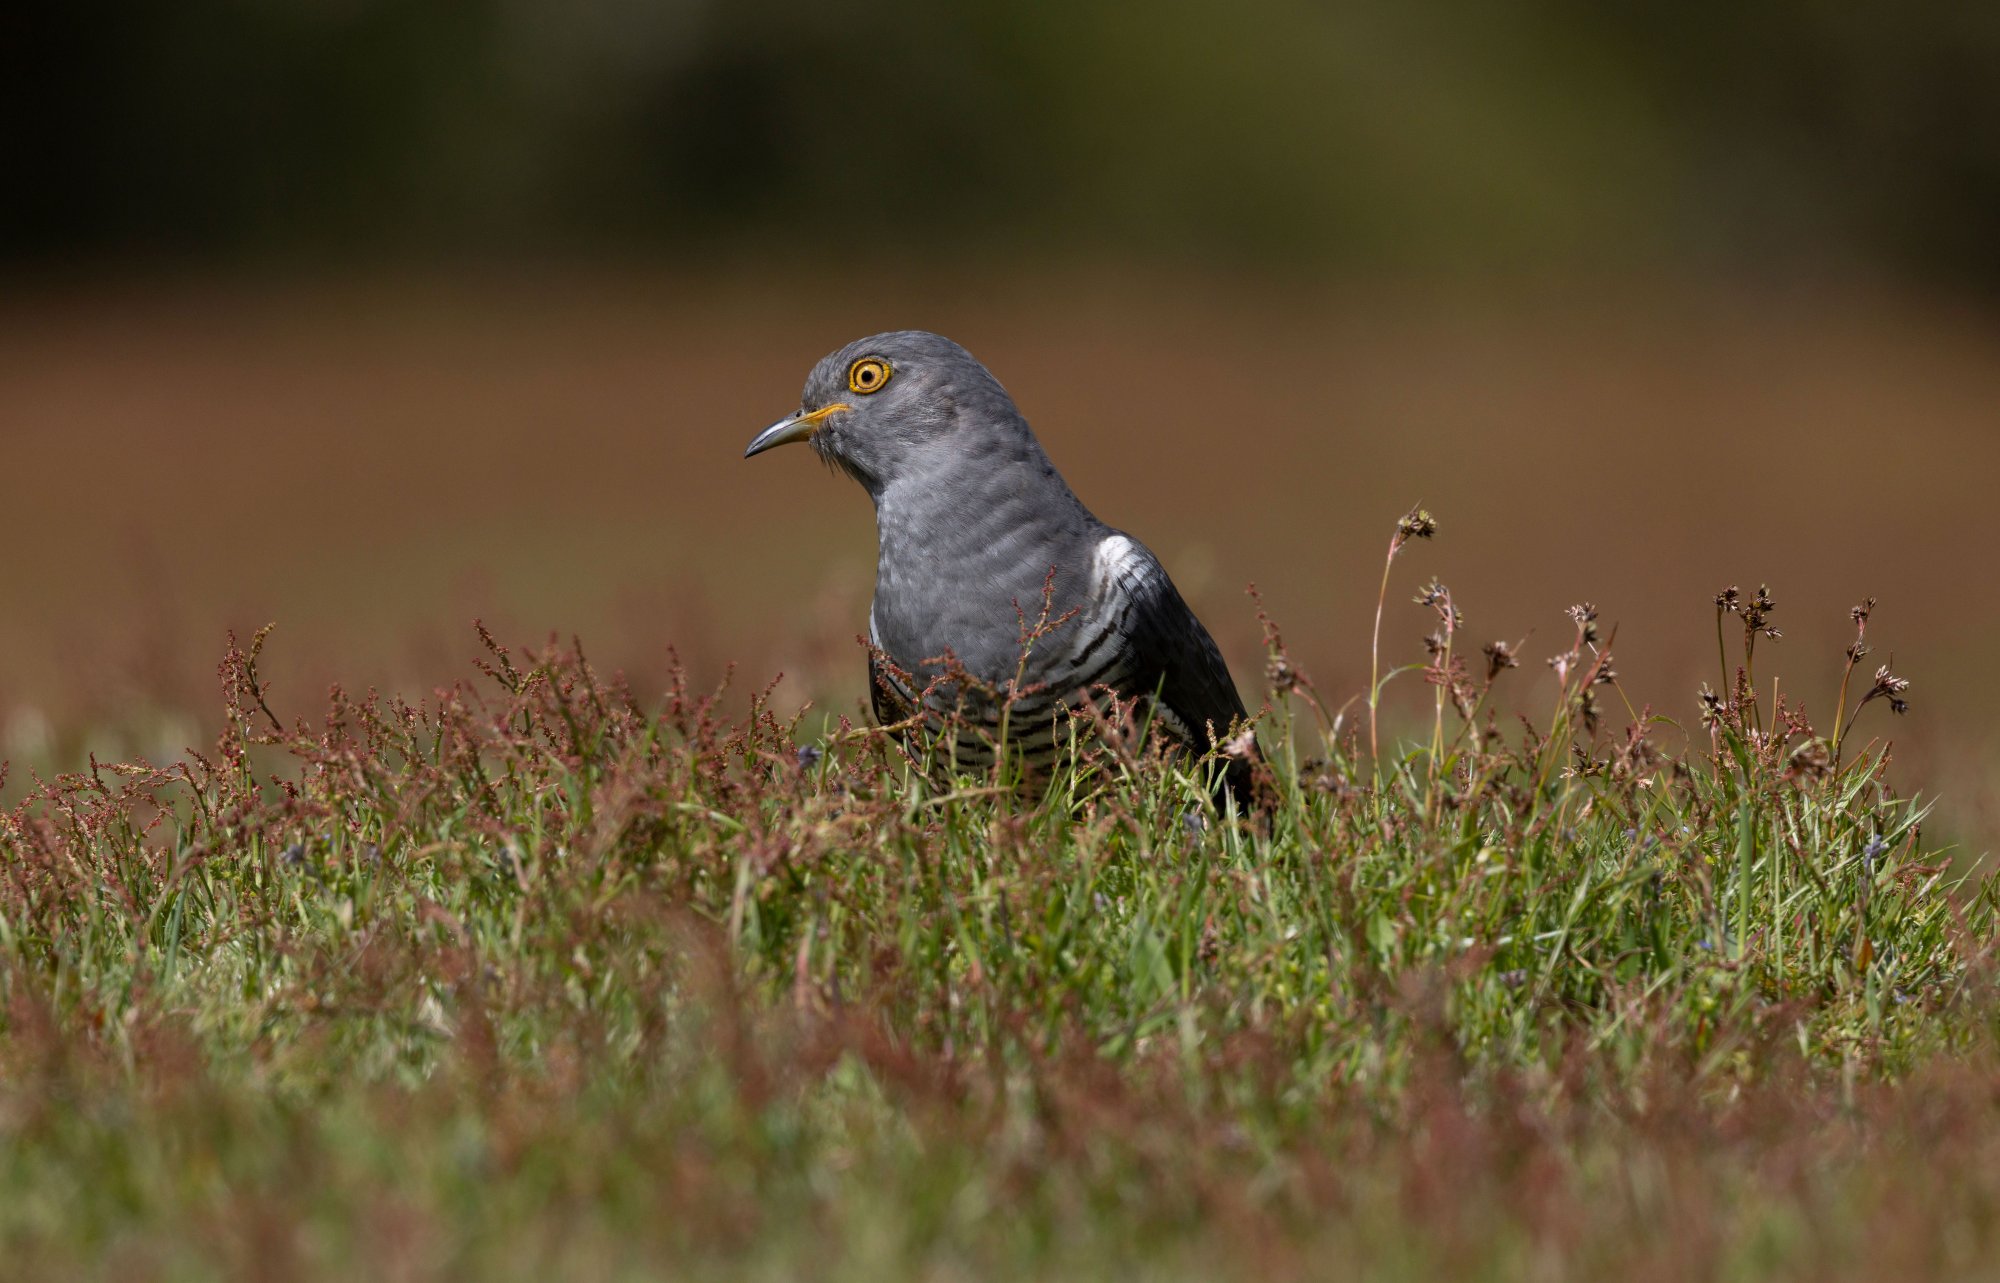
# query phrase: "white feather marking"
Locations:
[[1115, 558]]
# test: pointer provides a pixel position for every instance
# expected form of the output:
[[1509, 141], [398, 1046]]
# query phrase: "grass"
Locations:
[[535, 978]]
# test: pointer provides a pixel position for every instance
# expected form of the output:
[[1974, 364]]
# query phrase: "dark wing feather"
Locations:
[[884, 694], [1174, 655]]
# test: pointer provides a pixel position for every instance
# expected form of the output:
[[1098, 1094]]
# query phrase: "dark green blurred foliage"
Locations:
[[1467, 134]]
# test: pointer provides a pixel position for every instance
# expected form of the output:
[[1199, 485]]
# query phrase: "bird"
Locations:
[[1002, 604]]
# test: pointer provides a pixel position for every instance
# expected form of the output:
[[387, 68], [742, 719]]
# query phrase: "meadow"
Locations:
[[538, 977]]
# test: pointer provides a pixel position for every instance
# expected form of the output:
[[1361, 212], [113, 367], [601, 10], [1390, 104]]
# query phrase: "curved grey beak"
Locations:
[[798, 427]]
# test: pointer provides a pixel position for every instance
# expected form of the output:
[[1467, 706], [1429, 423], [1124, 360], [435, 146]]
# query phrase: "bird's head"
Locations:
[[895, 405]]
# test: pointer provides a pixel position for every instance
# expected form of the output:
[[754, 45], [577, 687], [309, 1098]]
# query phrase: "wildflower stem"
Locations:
[[1840, 709], [1632, 712], [1721, 650], [1854, 653], [1375, 664], [1840, 736], [1750, 678], [1437, 717], [1746, 855], [1415, 524]]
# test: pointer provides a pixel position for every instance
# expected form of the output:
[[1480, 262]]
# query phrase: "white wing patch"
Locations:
[[1116, 558]]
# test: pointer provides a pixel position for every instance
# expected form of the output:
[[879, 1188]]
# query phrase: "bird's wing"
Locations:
[[1173, 654], [886, 694]]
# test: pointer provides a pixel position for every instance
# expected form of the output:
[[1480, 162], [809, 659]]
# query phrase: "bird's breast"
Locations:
[[1004, 606]]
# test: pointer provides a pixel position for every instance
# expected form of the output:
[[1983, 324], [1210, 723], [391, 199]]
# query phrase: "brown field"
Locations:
[[372, 465]]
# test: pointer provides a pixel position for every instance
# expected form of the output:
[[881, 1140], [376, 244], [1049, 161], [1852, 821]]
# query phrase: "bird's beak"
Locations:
[[799, 427]]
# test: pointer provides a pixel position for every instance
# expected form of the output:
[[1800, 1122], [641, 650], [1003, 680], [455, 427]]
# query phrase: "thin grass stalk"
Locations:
[[1721, 648], [1375, 665], [1746, 854], [1415, 524], [1840, 709]]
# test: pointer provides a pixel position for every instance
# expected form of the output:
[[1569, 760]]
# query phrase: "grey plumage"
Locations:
[[974, 524]]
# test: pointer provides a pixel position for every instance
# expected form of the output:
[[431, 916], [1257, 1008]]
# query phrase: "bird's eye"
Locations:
[[867, 375]]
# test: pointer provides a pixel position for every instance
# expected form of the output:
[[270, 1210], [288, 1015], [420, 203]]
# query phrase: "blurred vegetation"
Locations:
[[1466, 135]]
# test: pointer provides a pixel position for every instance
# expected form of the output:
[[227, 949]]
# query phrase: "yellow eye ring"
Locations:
[[869, 374]]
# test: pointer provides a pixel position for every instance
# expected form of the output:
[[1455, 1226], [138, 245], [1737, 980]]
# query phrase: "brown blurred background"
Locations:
[[371, 318]]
